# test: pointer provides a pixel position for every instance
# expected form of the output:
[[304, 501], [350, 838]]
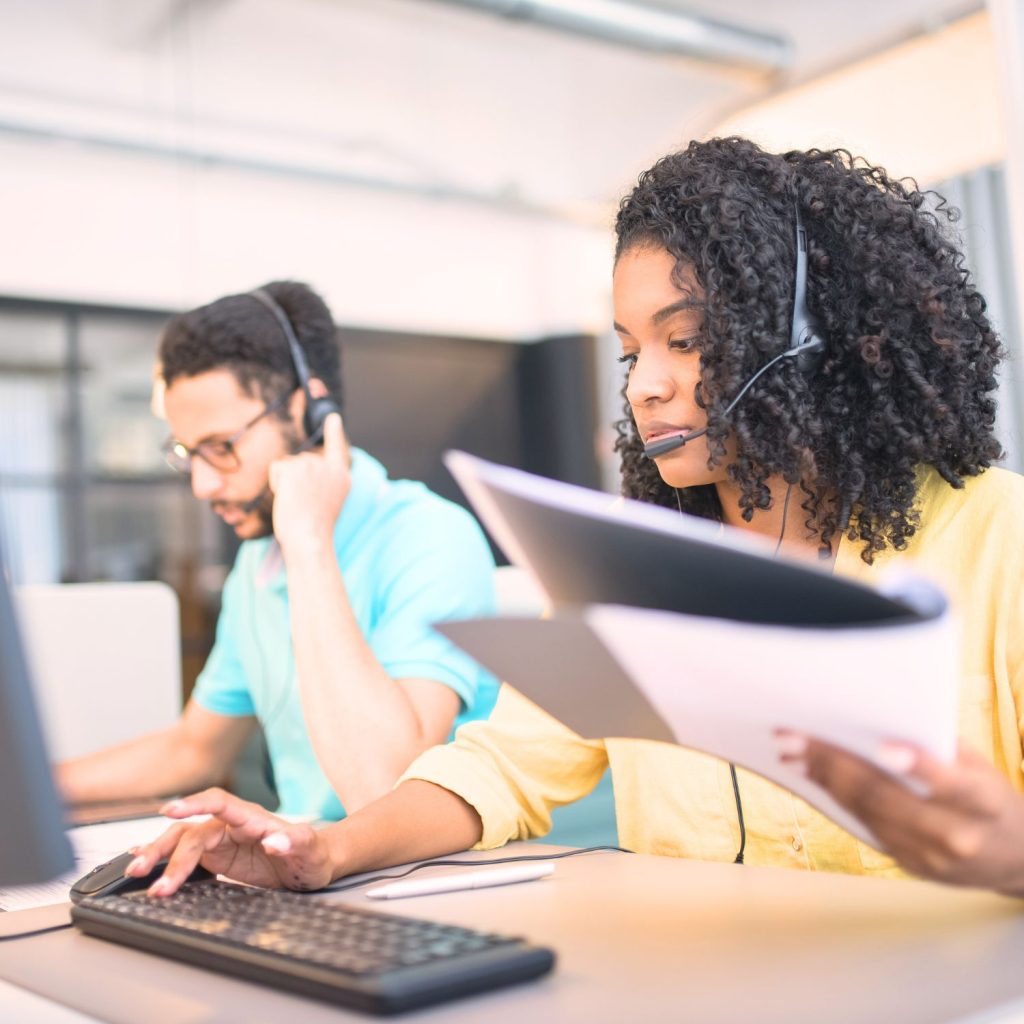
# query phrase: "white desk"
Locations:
[[638, 939]]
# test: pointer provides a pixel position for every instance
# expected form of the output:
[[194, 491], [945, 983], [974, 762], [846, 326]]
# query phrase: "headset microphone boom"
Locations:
[[805, 345]]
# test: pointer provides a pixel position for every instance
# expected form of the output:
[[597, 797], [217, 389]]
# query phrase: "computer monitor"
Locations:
[[33, 846]]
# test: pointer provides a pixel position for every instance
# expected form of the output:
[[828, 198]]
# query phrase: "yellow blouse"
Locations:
[[515, 767]]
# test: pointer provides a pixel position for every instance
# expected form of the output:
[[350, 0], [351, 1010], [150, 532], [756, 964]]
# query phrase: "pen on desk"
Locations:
[[477, 879]]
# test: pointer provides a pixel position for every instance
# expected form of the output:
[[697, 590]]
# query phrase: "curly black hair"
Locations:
[[908, 374], [239, 333]]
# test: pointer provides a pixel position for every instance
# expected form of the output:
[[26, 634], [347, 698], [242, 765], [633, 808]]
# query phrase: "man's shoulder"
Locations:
[[411, 506], [397, 503]]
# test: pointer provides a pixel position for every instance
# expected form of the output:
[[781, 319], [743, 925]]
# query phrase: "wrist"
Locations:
[[308, 546], [342, 855]]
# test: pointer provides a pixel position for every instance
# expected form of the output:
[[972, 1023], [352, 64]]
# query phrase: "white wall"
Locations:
[[87, 224]]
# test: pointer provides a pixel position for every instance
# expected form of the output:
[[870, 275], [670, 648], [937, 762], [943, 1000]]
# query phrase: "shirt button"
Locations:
[[797, 845]]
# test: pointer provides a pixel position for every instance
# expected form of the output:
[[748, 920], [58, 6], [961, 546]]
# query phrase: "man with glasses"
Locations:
[[324, 636]]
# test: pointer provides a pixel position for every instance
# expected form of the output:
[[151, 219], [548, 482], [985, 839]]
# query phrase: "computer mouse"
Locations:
[[109, 879]]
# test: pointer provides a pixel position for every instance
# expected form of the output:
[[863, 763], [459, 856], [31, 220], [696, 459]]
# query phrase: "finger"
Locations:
[[969, 785], [232, 810], [194, 841], [961, 784], [299, 858], [274, 475], [868, 791], [295, 841], [843, 774], [335, 443], [147, 856], [246, 822]]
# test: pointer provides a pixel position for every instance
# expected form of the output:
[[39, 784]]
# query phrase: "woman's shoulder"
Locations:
[[996, 493]]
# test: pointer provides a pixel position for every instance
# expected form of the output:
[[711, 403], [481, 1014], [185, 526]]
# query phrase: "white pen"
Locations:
[[478, 878]]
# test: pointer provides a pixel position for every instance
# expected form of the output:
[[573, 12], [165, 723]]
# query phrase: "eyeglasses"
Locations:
[[221, 455]]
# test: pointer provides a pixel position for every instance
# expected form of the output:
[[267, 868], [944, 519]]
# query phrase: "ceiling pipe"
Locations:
[[645, 27]]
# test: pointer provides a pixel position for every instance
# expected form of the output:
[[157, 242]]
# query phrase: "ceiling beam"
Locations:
[[646, 27]]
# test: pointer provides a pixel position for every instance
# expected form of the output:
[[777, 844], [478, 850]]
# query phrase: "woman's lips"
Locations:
[[661, 433]]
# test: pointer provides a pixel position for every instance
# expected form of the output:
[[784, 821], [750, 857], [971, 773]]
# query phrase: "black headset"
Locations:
[[317, 409], [806, 346]]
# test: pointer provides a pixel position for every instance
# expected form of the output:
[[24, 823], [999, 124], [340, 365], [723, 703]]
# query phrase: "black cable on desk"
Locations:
[[37, 931], [472, 864]]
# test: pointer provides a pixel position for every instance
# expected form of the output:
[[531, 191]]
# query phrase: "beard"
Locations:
[[262, 505], [264, 511]]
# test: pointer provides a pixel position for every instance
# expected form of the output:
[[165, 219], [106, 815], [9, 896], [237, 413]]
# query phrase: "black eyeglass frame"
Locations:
[[179, 456]]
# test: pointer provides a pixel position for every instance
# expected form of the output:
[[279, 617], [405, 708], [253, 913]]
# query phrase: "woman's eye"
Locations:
[[629, 358], [684, 344]]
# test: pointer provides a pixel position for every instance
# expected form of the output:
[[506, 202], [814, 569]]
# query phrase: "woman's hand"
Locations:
[[240, 840], [961, 823]]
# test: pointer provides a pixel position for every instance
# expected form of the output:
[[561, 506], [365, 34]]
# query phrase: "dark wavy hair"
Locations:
[[908, 374], [238, 333]]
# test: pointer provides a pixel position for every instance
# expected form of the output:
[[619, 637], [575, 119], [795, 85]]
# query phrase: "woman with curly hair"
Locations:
[[864, 439]]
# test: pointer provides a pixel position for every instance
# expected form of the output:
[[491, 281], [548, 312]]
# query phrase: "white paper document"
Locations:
[[92, 845], [786, 647], [737, 683]]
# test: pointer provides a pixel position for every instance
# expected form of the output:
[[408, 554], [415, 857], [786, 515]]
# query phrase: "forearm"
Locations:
[[416, 821], [154, 765], [361, 723]]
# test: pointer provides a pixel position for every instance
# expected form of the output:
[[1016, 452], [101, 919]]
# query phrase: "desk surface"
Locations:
[[640, 938]]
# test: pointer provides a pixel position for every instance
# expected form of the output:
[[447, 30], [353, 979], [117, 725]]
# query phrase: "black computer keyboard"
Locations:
[[378, 963]]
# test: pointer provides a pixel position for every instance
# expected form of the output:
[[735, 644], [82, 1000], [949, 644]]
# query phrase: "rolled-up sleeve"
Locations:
[[514, 768]]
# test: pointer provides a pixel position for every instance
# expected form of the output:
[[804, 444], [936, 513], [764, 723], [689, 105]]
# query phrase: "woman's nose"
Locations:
[[649, 381]]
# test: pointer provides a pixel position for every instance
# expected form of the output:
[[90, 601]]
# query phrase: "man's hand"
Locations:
[[240, 840], [310, 489], [962, 823]]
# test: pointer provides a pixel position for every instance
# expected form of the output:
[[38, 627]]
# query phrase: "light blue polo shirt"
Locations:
[[409, 558]]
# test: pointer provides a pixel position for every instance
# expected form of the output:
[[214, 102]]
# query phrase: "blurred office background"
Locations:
[[445, 173]]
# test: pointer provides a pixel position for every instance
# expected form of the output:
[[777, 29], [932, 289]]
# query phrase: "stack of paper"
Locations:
[[671, 628]]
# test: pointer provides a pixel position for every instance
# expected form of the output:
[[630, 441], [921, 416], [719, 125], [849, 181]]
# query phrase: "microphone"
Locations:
[[670, 444]]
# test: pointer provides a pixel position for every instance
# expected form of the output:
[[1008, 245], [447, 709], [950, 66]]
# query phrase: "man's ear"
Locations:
[[297, 403]]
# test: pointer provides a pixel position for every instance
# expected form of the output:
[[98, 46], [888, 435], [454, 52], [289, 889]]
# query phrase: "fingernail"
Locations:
[[896, 758], [174, 807], [278, 842], [134, 866], [790, 744], [161, 887]]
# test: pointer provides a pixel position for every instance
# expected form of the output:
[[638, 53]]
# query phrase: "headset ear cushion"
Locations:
[[317, 411], [809, 359]]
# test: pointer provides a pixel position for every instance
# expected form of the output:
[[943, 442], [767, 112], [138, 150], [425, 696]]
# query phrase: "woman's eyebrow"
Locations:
[[665, 313]]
